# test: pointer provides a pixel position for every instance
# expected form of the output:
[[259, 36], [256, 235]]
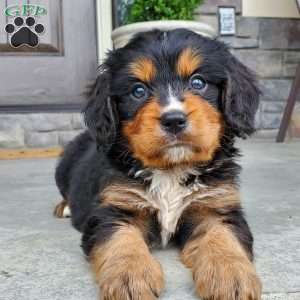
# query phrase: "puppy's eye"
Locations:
[[139, 91], [197, 82]]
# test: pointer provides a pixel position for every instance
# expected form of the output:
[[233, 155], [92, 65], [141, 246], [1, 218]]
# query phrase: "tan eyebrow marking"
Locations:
[[143, 69], [189, 60]]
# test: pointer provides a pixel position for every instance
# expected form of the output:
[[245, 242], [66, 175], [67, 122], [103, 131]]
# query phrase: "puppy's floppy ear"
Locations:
[[100, 112], [241, 98]]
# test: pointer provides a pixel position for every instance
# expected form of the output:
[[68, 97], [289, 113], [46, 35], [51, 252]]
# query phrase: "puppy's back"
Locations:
[[72, 153]]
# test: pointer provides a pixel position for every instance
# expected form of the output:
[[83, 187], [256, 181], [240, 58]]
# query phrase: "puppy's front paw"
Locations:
[[132, 278], [227, 278]]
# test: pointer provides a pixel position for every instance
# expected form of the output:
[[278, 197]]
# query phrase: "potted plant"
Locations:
[[145, 15]]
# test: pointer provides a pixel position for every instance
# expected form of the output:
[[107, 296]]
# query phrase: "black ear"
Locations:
[[100, 112], [241, 98]]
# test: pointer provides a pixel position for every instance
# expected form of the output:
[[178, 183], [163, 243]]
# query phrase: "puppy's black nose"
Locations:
[[173, 121]]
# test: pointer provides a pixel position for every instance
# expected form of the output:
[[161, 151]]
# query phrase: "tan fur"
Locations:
[[206, 127], [143, 69], [221, 268], [125, 196], [220, 265], [59, 209], [226, 195], [144, 134], [166, 196], [149, 143], [125, 269], [189, 60]]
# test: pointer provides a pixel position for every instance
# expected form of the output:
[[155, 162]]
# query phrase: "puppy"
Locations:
[[158, 165]]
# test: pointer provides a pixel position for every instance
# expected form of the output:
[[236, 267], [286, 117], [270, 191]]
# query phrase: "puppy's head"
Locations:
[[171, 96]]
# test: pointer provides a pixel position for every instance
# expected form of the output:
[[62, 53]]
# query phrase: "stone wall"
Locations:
[[38, 130], [270, 47]]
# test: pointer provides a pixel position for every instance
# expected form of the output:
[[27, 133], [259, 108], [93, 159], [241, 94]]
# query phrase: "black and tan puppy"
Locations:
[[158, 165]]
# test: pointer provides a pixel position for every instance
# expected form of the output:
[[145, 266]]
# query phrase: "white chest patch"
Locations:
[[167, 194]]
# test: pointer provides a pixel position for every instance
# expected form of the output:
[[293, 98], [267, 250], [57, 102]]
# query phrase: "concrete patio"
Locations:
[[40, 257]]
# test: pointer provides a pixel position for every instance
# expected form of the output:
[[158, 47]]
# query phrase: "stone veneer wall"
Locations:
[[39, 130], [270, 47]]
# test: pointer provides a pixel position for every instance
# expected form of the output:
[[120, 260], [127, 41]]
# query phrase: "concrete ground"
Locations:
[[40, 257]]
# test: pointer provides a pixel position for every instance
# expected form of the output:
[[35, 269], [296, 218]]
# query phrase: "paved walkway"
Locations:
[[40, 258]]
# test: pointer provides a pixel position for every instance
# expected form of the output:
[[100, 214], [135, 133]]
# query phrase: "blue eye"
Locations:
[[197, 82], [139, 91]]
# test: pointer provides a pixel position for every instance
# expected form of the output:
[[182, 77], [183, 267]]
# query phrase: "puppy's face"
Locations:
[[168, 90], [170, 112]]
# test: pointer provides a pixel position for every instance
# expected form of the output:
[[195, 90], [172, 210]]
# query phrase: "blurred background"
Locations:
[[42, 87]]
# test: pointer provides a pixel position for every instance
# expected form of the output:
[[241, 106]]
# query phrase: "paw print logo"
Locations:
[[24, 32]]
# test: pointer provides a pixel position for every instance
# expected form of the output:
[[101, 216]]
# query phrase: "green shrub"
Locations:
[[150, 10]]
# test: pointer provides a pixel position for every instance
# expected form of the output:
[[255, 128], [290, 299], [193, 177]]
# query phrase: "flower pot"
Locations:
[[123, 34]]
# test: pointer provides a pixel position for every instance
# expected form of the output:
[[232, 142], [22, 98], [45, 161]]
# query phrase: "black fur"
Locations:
[[102, 223], [234, 217], [185, 229], [240, 98], [100, 156], [66, 164], [100, 112], [110, 101]]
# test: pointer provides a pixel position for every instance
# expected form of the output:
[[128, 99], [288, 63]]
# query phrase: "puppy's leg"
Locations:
[[219, 253], [114, 241], [62, 209]]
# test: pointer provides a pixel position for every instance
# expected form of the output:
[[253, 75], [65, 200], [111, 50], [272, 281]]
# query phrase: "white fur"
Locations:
[[173, 102], [169, 194], [67, 212], [178, 153]]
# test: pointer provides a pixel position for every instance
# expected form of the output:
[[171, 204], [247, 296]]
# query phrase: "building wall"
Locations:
[[39, 130], [270, 47]]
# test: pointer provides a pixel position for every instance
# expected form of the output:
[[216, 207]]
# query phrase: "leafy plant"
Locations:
[[150, 10]]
